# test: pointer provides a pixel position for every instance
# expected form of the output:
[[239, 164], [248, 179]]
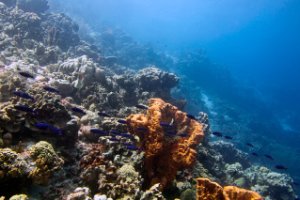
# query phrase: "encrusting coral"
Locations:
[[209, 190], [168, 148], [12, 166], [35, 164], [46, 161]]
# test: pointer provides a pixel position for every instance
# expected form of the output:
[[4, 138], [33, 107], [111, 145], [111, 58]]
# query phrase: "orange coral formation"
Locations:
[[209, 190], [241, 194], [165, 154]]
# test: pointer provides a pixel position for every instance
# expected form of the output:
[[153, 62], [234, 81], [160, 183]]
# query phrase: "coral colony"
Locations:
[[73, 125]]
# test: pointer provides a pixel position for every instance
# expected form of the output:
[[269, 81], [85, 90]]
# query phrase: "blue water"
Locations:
[[255, 43]]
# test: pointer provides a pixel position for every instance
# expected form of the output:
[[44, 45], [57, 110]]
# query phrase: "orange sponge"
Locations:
[[209, 190], [168, 137]]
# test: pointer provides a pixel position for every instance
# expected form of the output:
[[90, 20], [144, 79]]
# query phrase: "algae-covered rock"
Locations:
[[188, 194], [46, 161], [123, 184], [153, 193], [240, 182], [128, 173], [80, 193], [19, 197], [1, 143], [11, 165]]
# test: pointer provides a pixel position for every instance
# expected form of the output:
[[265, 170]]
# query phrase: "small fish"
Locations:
[[191, 116], [26, 74], [296, 183], [171, 133], [115, 132], [78, 110], [228, 137], [218, 134], [281, 167], [127, 143], [269, 157], [113, 139], [98, 131], [103, 114], [24, 108], [254, 154], [126, 135], [24, 95], [51, 89], [183, 135], [249, 144], [122, 121], [141, 106], [41, 125], [55, 130], [165, 125], [132, 147], [45, 126], [142, 129]]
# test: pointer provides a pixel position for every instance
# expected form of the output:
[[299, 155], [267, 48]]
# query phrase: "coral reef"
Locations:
[[152, 79], [208, 190], [213, 163], [47, 147], [165, 155], [271, 185], [105, 174]]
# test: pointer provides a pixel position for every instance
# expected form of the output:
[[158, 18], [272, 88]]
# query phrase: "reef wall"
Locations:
[[77, 124]]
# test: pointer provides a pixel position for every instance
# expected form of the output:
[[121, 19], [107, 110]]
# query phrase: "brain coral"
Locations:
[[168, 137]]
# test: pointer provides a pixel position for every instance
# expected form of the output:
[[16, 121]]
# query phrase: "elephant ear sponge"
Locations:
[[209, 190], [237, 193], [169, 139]]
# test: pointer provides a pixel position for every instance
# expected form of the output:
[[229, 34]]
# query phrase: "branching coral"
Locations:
[[166, 151], [209, 190]]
